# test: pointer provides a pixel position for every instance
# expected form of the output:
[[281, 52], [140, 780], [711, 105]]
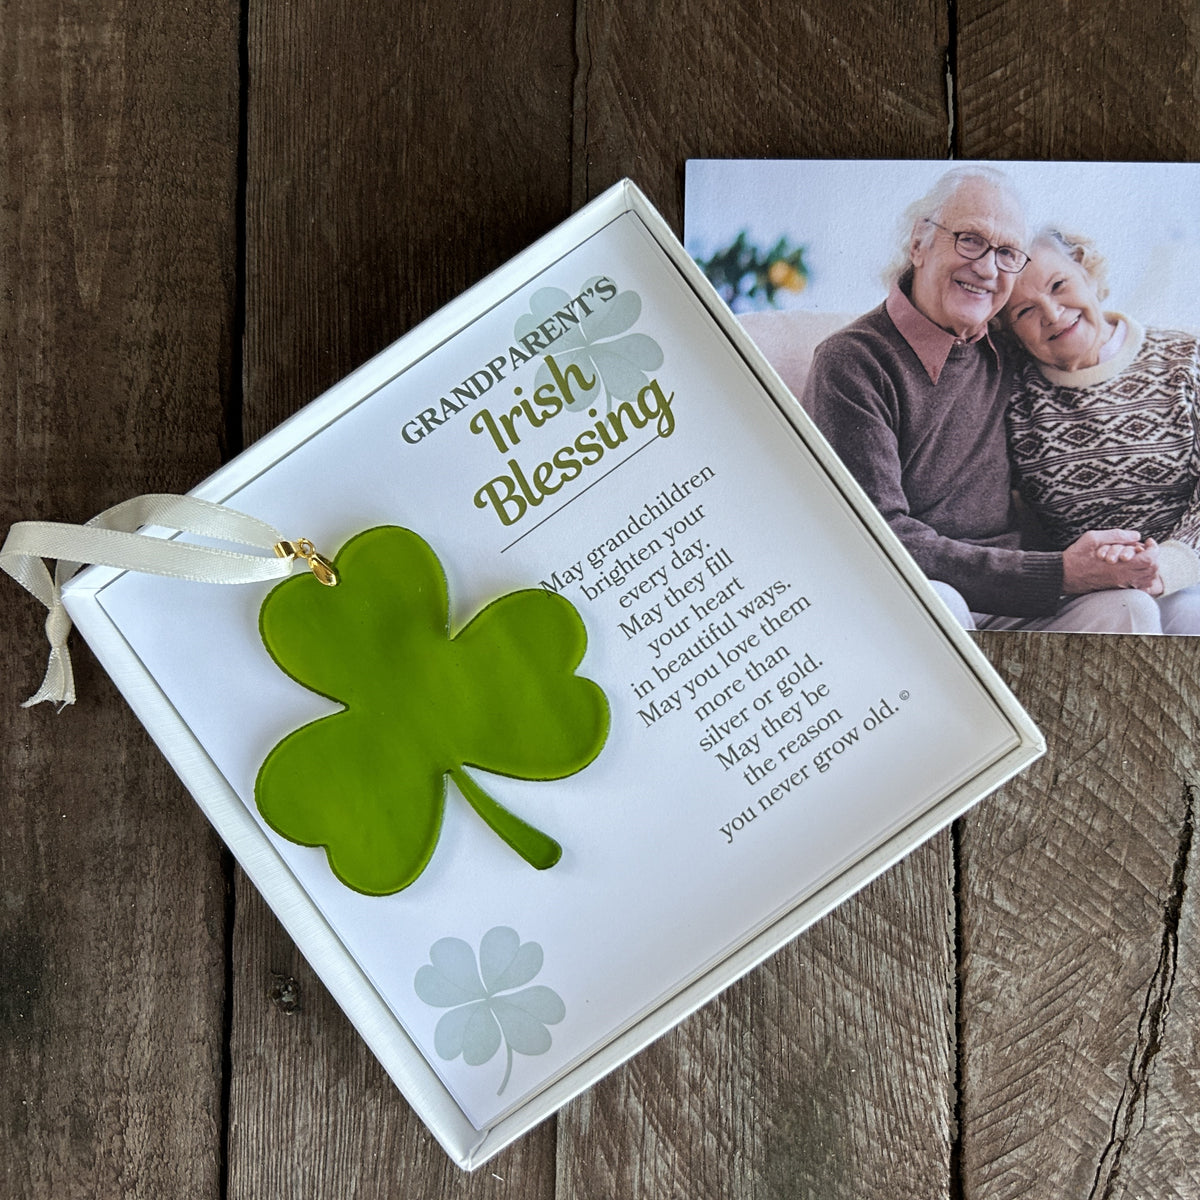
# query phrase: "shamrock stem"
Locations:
[[507, 1070], [531, 844]]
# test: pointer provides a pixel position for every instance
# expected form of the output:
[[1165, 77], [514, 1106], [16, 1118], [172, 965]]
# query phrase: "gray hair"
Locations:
[[1079, 249], [930, 207]]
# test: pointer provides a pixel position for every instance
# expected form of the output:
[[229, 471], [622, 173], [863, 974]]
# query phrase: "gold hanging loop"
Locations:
[[320, 566]]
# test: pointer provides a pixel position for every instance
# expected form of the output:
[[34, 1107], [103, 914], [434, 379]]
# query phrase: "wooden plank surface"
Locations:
[[1056, 81], [383, 142], [1080, 1073], [826, 1073], [1010, 1012], [118, 175]]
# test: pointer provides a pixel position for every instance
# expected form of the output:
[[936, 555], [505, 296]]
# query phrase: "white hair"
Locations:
[[1078, 249], [930, 207]]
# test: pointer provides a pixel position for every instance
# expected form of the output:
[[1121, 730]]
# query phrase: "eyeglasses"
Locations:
[[973, 247]]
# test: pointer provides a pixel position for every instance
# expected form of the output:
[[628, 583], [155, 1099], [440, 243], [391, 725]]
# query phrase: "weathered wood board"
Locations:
[[118, 172], [211, 214]]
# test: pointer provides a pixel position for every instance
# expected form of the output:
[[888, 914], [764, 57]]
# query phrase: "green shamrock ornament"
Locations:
[[369, 783]]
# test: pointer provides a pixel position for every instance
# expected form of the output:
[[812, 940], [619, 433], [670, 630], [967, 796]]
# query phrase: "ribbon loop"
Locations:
[[112, 539]]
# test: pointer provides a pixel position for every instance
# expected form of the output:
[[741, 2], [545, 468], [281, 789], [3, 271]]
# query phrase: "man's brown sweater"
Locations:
[[927, 443]]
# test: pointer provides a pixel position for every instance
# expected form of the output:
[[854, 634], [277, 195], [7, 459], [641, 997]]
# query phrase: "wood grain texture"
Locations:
[[663, 82], [1152, 1150], [394, 153], [1075, 919], [1079, 974], [117, 178], [397, 152], [826, 1073], [1060, 80]]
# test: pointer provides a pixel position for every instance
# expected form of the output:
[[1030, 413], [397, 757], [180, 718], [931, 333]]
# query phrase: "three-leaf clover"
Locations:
[[598, 345], [484, 1007], [501, 695]]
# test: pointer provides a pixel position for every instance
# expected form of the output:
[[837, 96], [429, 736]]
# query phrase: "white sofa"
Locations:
[[788, 340]]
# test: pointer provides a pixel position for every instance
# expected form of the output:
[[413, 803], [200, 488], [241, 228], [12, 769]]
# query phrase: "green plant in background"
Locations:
[[488, 1003], [748, 277], [369, 783]]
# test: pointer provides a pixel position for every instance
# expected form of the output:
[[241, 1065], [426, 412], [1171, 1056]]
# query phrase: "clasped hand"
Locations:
[[1111, 558]]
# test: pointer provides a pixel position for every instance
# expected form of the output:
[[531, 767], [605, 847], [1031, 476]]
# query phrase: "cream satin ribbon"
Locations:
[[110, 540]]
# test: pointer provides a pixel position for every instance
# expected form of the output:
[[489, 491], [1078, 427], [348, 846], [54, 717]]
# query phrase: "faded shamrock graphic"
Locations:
[[599, 345], [501, 695], [485, 1010]]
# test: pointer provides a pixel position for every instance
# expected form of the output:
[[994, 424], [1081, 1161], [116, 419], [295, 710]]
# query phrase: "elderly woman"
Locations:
[[1103, 423]]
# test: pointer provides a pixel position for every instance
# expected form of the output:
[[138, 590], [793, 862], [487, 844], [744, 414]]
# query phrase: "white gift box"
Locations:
[[792, 708]]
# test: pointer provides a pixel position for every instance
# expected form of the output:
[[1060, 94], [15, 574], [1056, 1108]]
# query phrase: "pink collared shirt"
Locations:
[[930, 343]]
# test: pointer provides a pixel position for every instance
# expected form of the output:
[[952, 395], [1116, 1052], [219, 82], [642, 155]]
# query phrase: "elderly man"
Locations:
[[912, 397]]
